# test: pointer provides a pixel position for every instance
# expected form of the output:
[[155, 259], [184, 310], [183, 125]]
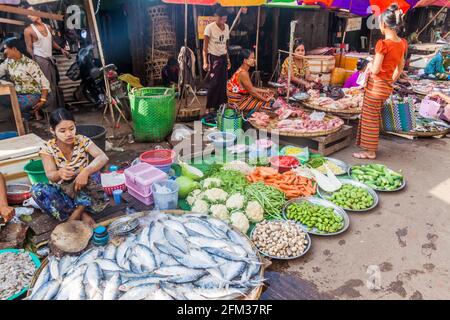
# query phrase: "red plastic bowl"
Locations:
[[158, 157], [274, 161], [17, 193]]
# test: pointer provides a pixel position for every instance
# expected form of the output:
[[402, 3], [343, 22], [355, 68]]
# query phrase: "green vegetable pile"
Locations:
[[352, 198], [378, 177], [232, 181], [325, 220], [270, 198]]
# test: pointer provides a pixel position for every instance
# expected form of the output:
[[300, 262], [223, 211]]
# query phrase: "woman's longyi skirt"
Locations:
[[376, 93], [246, 102]]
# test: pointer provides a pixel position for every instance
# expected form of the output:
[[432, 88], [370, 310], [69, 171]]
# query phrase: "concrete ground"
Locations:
[[397, 251]]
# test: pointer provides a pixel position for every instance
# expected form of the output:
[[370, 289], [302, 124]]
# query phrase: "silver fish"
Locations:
[[213, 243], [130, 284], [225, 254], [78, 291], [173, 291], [92, 278], [110, 252], [219, 294], [108, 265], [187, 278], [217, 231], [197, 229], [167, 249], [87, 257], [176, 240], [46, 291], [196, 259], [209, 282], [54, 269], [123, 252], [232, 270], [146, 257], [43, 278], [158, 294], [67, 287], [139, 292], [156, 233], [65, 264], [240, 241], [167, 260], [135, 264], [143, 237], [172, 224], [111, 291]]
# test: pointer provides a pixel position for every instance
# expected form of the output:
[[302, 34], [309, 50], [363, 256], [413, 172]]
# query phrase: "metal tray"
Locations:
[[349, 171], [308, 247], [325, 195], [123, 226], [275, 84], [301, 96], [324, 203]]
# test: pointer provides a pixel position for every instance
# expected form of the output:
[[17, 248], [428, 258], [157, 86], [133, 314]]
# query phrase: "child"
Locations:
[[361, 67]]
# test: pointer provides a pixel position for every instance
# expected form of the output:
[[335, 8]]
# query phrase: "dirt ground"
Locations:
[[397, 251]]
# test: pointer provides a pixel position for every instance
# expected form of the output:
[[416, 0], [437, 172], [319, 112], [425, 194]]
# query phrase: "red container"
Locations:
[[17, 193], [158, 157], [109, 190], [281, 167]]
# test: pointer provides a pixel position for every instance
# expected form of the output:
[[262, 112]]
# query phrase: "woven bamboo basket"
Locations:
[[332, 110], [189, 114], [255, 294], [156, 12], [426, 134]]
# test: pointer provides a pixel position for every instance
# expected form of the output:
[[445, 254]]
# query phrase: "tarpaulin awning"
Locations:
[[223, 3], [362, 7], [436, 3]]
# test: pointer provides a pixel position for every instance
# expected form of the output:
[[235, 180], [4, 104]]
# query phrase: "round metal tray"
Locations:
[[349, 171], [123, 226], [308, 247], [325, 195], [324, 203], [275, 84]]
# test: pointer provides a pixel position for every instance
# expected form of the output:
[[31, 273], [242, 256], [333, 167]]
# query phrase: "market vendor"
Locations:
[[241, 91], [301, 78], [383, 73], [31, 85], [75, 191], [351, 82], [6, 212], [436, 67]]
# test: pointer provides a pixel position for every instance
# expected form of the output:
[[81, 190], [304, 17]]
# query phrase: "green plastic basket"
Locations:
[[154, 112], [229, 120], [36, 172]]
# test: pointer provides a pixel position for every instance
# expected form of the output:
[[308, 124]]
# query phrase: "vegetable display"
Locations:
[[286, 161], [232, 181], [352, 198], [281, 239], [325, 220], [292, 185], [378, 177], [270, 198], [319, 162]]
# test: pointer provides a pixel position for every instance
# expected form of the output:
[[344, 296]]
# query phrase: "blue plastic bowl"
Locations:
[[222, 140], [36, 262]]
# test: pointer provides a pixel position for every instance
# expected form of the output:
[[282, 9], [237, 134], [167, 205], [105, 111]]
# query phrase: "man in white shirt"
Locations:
[[216, 60]]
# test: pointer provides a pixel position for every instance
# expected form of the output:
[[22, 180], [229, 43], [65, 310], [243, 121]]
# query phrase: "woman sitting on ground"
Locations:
[[31, 85], [241, 91], [435, 69], [75, 191], [301, 78]]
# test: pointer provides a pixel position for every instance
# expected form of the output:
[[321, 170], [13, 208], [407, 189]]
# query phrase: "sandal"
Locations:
[[364, 155]]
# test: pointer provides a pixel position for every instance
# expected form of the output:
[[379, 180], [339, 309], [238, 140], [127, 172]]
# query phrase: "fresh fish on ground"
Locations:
[[110, 252], [145, 256], [108, 265], [197, 229], [176, 240], [177, 226], [54, 269], [112, 288], [92, 278], [139, 292]]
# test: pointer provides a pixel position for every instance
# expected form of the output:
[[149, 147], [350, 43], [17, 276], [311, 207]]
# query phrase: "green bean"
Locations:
[[324, 220]]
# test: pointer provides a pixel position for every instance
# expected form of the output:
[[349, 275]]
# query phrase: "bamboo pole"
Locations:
[[257, 38], [291, 49], [434, 18]]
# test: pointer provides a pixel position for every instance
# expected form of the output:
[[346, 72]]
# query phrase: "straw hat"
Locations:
[[71, 236]]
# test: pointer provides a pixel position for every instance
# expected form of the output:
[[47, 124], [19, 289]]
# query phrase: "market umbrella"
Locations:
[[436, 3], [362, 7]]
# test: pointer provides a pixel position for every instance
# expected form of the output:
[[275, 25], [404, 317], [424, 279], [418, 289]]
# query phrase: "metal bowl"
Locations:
[[349, 172], [308, 247], [301, 96], [326, 195], [324, 203], [123, 226], [341, 164], [275, 84]]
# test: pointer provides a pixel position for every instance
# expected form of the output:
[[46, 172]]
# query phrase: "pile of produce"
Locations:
[[269, 198], [16, 272], [234, 207], [314, 216], [319, 163], [281, 239], [292, 185], [352, 198], [378, 177], [190, 257], [232, 181]]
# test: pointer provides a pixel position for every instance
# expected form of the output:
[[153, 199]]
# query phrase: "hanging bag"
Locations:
[[229, 119], [397, 117]]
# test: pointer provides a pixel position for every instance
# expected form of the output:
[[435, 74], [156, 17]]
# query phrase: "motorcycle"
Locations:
[[92, 87]]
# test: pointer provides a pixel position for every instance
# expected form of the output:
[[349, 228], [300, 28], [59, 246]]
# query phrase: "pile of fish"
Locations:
[[16, 272], [189, 257]]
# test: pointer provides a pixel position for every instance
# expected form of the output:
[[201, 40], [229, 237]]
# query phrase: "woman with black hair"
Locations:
[[241, 91], [301, 78], [384, 71], [351, 82], [31, 85], [75, 191]]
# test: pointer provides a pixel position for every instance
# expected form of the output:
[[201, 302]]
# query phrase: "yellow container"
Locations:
[[338, 76], [350, 63]]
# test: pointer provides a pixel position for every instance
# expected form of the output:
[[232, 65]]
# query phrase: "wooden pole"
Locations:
[[276, 21], [434, 18], [197, 42], [27, 12], [291, 49], [236, 20], [258, 22], [102, 59]]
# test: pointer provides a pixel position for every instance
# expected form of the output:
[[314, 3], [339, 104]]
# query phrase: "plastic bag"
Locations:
[[317, 116], [180, 132]]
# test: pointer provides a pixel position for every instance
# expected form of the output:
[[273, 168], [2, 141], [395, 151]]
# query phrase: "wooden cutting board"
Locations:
[[20, 146], [71, 237]]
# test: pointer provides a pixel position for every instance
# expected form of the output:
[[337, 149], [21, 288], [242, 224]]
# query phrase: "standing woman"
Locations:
[[383, 72], [75, 191]]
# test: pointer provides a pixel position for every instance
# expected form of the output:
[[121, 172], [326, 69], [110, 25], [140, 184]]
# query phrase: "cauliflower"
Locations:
[[211, 183], [193, 196], [200, 206], [254, 212], [215, 195], [240, 221], [236, 201], [220, 211]]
